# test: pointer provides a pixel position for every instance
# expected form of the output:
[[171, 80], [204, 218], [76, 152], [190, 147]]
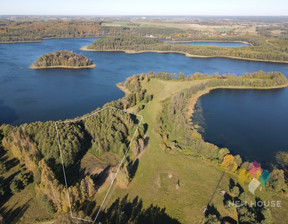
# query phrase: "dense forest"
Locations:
[[271, 49], [103, 134], [62, 59]]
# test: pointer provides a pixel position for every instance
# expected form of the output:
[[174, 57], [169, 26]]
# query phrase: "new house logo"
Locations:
[[258, 175]]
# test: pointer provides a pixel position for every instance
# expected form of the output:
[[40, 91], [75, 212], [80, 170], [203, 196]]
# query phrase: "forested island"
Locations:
[[93, 145], [274, 50], [62, 59]]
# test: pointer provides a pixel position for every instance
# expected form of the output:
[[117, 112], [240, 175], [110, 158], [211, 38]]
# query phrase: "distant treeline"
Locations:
[[274, 49], [14, 31], [62, 58]]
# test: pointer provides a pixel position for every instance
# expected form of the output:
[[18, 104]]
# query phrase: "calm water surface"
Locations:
[[28, 95], [253, 123]]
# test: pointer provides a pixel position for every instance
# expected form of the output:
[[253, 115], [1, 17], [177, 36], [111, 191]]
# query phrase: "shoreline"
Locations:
[[166, 41], [62, 66], [84, 48], [23, 41], [46, 38], [190, 106], [122, 88]]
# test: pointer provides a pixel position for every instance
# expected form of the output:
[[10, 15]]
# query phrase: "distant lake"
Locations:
[[252, 123], [219, 44]]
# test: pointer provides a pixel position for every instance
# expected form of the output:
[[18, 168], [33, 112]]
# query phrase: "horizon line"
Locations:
[[143, 15]]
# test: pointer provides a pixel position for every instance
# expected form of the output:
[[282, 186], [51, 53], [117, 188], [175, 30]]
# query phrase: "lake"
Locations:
[[219, 44], [250, 122], [28, 95]]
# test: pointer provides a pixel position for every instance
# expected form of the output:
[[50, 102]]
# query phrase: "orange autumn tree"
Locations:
[[229, 163]]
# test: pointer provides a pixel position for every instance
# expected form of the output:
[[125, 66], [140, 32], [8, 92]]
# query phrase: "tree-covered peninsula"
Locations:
[[273, 50], [62, 59], [124, 43]]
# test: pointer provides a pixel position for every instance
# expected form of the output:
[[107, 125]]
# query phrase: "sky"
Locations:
[[145, 7]]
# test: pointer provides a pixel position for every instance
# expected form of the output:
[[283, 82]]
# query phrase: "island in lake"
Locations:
[[62, 59]]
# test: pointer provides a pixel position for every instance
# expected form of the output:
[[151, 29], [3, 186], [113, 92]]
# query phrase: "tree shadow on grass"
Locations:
[[14, 214], [9, 164], [132, 168], [99, 179], [124, 211]]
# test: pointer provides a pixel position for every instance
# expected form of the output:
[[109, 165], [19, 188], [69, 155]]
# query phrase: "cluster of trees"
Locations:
[[31, 142], [282, 161], [255, 79], [122, 43], [111, 130], [236, 200], [136, 92], [107, 131], [20, 181], [62, 58]]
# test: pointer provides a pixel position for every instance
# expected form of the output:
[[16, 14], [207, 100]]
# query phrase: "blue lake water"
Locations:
[[30, 95], [219, 44], [252, 123]]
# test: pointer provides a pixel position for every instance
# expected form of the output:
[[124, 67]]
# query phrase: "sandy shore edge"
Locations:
[[72, 67]]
